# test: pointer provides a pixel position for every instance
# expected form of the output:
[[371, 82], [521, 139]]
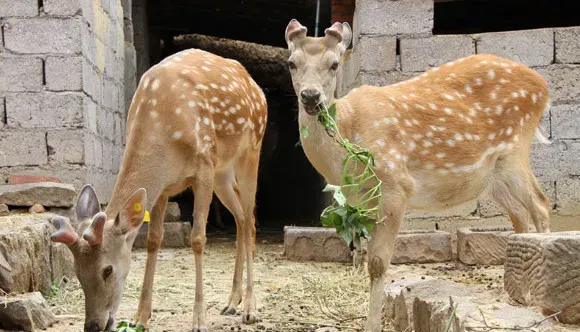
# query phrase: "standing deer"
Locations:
[[439, 139], [196, 120]]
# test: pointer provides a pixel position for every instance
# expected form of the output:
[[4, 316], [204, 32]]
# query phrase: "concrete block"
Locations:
[[19, 74], [43, 35], [91, 109], [172, 212], [515, 45], [21, 147], [63, 73], [118, 128], [568, 194], [542, 270], [110, 94], [52, 110], [383, 79], [25, 312], [411, 17], [567, 41], [315, 244], [62, 7], [48, 194], [377, 53], [425, 53], [425, 304], [66, 146], [19, 8], [107, 155], [176, 235], [559, 160], [464, 210], [566, 122], [92, 82], [563, 81], [422, 247], [483, 245]]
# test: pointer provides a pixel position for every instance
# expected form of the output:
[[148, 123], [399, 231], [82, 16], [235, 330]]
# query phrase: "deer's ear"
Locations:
[[131, 215], [64, 231], [88, 203], [341, 33], [294, 30]]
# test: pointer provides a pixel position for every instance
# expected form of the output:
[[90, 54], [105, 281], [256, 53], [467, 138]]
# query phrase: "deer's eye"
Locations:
[[291, 64], [334, 66], [107, 272]]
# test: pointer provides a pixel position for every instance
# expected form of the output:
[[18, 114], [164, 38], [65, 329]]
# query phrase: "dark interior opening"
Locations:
[[289, 188], [478, 16]]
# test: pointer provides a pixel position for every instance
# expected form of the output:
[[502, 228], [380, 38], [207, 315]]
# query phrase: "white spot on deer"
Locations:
[[501, 146], [429, 166], [516, 138], [504, 81], [448, 96], [380, 143], [177, 135], [201, 87], [468, 88], [458, 137], [491, 74], [412, 146], [447, 110], [433, 106], [357, 137], [498, 109], [527, 116], [241, 120], [407, 122], [491, 136], [490, 121], [417, 136], [476, 137], [205, 68], [516, 108], [427, 143], [450, 142], [509, 131], [155, 85], [493, 95], [441, 155], [534, 98], [523, 93], [441, 119], [153, 101], [214, 100], [206, 121], [153, 115]]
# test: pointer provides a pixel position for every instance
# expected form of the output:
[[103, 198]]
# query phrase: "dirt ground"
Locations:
[[291, 296]]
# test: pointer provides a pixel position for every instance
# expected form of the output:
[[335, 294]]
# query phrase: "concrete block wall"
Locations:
[[65, 70], [393, 41]]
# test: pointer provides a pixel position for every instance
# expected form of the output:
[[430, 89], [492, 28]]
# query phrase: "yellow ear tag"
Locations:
[[146, 217], [137, 207]]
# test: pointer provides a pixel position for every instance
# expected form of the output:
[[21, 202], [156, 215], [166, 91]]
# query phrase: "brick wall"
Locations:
[[62, 89], [380, 25], [342, 11]]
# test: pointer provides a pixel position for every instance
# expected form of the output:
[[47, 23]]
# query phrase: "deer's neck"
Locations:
[[321, 149]]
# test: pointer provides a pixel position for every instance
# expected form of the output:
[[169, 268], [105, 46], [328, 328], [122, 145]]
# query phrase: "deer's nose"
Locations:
[[92, 327], [310, 97]]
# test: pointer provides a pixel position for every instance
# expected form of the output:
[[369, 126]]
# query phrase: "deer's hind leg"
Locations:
[[516, 190]]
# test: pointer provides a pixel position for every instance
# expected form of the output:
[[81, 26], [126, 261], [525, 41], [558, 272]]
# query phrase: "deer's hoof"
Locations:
[[249, 318], [229, 311]]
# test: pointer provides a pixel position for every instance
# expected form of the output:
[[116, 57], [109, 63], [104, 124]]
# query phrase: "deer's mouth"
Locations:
[[310, 109]]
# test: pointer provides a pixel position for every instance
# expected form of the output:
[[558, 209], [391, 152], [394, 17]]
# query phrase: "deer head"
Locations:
[[101, 247], [314, 62]]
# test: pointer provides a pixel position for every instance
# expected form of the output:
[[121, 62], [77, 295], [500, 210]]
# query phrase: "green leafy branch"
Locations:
[[352, 222]]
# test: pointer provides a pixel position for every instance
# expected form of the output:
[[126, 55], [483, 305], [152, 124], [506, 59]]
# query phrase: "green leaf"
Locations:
[[337, 193], [332, 111], [347, 179], [346, 235], [304, 132]]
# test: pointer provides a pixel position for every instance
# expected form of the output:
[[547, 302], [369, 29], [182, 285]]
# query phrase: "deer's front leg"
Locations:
[[154, 240], [203, 189], [380, 251]]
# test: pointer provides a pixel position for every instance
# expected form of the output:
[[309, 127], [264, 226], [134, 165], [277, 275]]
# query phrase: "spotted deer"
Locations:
[[196, 120], [440, 139]]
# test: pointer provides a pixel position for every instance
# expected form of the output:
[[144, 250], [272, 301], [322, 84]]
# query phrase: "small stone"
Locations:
[[37, 208], [49, 194], [172, 212], [25, 312], [25, 178], [4, 211]]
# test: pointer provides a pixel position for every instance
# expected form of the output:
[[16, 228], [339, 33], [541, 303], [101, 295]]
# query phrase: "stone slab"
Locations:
[[18, 73], [425, 304], [315, 244], [421, 246], [26, 312], [565, 121], [176, 235], [541, 269], [563, 81], [27, 178], [412, 17], [23, 148], [49, 194], [43, 35], [425, 53], [483, 245], [377, 53], [515, 45], [567, 41]]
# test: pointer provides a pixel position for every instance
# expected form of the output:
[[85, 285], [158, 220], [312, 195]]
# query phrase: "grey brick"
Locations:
[[394, 17], [568, 191], [91, 47], [425, 53], [63, 73], [515, 45], [563, 81], [92, 82], [44, 35], [67, 146], [33, 110], [566, 122], [383, 79], [20, 147], [118, 132], [559, 160], [377, 53], [18, 74], [91, 112], [107, 155], [128, 30], [18, 8], [62, 7], [567, 45], [110, 94], [127, 8]]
